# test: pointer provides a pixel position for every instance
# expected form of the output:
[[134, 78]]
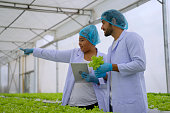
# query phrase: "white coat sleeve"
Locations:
[[135, 47], [53, 55]]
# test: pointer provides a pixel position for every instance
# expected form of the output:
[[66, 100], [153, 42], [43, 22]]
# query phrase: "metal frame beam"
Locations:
[[7, 55], [96, 20], [14, 41], [15, 18], [123, 10], [5, 27], [69, 16], [38, 35], [77, 19], [12, 73], [43, 8]]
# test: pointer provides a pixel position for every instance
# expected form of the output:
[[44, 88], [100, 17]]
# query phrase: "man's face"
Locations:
[[84, 44], [107, 28]]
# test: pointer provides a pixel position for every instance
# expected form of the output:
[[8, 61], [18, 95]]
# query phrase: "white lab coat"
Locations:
[[128, 85], [69, 56]]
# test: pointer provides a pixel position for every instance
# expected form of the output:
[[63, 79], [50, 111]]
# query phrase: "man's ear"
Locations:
[[114, 21]]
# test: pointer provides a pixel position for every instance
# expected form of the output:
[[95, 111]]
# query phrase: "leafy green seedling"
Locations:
[[96, 62]]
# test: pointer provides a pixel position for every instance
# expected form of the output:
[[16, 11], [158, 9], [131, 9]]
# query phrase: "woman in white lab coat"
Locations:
[[83, 95]]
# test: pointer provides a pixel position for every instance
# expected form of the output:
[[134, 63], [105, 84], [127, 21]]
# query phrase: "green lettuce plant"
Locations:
[[96, 62]]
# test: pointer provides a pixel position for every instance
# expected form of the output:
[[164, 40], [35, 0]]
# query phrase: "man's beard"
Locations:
[[108, 31]]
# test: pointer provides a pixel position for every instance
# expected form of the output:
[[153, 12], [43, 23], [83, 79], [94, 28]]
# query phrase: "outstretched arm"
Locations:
[[53, 55]]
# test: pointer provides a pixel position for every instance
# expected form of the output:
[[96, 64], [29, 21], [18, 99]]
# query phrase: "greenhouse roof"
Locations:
[[23, 22]]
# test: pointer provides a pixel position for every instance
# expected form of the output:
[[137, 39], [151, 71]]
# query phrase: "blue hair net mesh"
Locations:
[[115, 18], [91, 34]]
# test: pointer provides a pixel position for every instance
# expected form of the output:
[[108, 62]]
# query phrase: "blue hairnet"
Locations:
[[112, 15], [91, 34]]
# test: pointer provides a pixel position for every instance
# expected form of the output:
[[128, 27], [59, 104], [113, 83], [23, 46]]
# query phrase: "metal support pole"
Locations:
[[36, 75], [0, 81], [57, 70], [23, 73], [166, 46], [7, 90], [20, 76]]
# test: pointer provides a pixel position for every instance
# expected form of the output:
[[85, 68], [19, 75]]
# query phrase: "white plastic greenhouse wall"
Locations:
[[52, 75]]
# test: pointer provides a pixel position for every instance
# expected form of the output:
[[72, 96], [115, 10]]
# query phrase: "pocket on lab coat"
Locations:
[[126, 106]]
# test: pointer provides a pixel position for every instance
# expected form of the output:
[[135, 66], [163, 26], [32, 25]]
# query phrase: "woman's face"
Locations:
[[84, 44]]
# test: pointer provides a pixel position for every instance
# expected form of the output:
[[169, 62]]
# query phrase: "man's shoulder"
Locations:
[[133, 37], [132, 34]]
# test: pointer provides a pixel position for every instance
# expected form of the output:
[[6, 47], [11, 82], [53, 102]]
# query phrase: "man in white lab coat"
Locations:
[[126, 63]]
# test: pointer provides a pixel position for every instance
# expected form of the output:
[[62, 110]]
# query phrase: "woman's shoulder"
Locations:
[[77, 51]]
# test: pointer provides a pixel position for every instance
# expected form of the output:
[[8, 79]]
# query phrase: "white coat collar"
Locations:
[[119, 39]]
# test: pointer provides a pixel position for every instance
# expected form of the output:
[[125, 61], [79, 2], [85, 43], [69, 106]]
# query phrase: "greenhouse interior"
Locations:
[[32, 84]]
